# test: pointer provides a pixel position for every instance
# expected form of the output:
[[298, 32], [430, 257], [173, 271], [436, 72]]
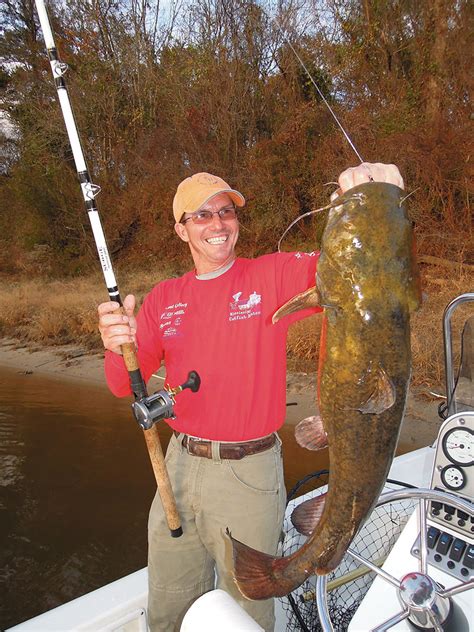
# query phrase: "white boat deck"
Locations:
[[121, 605]]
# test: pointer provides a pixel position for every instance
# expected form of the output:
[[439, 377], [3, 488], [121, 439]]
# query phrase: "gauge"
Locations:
[[458, 446], [453, 477]]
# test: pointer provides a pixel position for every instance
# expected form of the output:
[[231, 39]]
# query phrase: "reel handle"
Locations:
[[193, 382]]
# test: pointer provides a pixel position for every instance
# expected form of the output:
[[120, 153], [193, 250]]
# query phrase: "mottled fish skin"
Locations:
[[368, 282]]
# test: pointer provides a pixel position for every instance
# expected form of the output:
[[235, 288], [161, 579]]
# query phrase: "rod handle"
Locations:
[[130, 356], [128, 349], [163, 482], [155, 451]]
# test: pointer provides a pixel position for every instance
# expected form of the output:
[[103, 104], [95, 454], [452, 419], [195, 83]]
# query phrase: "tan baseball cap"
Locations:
[[196, 190]]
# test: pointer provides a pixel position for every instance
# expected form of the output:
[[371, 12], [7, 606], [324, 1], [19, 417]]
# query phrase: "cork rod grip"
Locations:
[[130, 356], [163, 481], [128, 350], [155, 453]]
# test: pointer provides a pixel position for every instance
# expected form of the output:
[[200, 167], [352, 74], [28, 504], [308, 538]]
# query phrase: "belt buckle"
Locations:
[[188, 442]]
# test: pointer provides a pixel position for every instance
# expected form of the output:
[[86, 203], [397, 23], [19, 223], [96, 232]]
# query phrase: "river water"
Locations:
[[75, 488]]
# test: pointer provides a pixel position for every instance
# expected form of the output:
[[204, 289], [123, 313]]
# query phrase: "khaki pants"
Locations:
[[246, 496]]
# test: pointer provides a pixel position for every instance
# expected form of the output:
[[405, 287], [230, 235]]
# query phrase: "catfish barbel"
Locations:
[[368, 284]]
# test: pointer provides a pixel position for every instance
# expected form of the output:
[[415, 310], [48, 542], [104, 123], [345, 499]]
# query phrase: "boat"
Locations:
[[410, 567]]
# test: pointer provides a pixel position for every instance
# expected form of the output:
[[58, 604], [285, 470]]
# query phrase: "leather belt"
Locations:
[[233, 451]]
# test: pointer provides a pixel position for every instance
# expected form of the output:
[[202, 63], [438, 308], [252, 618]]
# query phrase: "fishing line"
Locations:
[[311, 78], [327, 104]]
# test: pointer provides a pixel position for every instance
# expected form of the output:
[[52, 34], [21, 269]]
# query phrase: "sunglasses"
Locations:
[[205, 217]]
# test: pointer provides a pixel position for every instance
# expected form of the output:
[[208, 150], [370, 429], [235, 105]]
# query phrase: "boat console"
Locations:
[[433, 573], [450, 534]]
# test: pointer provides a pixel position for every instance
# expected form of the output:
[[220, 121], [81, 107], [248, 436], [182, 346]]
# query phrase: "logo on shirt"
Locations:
[[300, 255], [243, 308]]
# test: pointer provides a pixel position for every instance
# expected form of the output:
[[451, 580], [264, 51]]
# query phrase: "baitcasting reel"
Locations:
[[158, 406]]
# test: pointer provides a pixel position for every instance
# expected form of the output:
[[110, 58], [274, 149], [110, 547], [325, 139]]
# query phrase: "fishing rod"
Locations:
[[148, 410]]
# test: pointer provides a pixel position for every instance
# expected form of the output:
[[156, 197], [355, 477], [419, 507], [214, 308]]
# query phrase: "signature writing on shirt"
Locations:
[[171, 319]]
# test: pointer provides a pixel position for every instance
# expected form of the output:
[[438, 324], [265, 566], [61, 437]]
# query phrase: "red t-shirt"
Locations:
[[222, 329]]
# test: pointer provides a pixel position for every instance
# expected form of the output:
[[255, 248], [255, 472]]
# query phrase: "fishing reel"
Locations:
[[148, 410]]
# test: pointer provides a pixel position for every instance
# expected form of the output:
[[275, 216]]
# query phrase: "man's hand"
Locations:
[[367, 172], [117, 329]]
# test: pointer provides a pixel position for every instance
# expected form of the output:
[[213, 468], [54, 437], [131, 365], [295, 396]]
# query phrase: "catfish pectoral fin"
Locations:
[[310, 434], [383, 395], [306, 515], [306, 299], [261, 576]]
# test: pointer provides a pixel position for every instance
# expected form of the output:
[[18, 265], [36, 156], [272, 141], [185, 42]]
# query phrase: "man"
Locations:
[[224, 458]]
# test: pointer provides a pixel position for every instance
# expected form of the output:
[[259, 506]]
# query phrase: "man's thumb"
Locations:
[[129, 304]]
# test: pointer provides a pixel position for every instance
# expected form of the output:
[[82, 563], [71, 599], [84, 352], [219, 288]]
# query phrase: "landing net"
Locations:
[[348, 584]]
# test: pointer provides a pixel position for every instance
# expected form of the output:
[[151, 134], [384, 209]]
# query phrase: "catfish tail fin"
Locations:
[[261, 576]]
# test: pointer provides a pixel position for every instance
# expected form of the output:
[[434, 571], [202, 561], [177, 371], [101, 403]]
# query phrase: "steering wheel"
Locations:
[[424, 602]]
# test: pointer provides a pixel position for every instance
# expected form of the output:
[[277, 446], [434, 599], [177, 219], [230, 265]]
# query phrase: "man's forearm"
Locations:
[[116, 374]]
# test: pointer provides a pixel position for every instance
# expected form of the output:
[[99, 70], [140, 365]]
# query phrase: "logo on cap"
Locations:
[[207, 178]]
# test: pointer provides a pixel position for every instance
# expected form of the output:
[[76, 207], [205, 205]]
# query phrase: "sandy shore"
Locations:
[[74, 363]]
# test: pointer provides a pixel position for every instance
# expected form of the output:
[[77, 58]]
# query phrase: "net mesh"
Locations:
[[348, 584]]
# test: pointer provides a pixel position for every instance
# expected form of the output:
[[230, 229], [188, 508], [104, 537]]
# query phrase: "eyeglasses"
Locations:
[[205, 217]]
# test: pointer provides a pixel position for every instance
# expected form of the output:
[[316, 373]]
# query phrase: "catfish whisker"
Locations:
[[407, 196], [333, 204]]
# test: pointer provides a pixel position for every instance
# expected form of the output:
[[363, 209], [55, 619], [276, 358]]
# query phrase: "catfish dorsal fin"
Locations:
[[306, 299]]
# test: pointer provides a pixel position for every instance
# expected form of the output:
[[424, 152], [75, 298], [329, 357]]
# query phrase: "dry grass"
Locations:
[[61, 312], [427, 332], [303, 344], [64, 312]]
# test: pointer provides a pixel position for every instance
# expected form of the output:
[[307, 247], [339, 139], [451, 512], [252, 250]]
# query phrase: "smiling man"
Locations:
[[211, 230], [224, 458]]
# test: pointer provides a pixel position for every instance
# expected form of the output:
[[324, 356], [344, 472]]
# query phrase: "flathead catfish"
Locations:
[[368, 284]]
